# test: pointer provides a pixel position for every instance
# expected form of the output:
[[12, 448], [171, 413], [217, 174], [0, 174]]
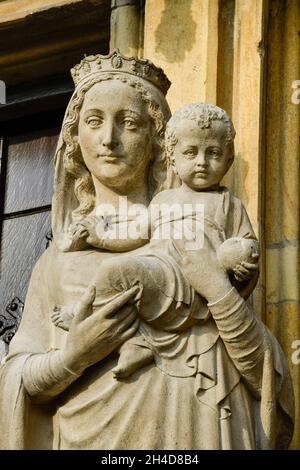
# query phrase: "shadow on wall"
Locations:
[[181, 30], [236, 177], [225, 69]]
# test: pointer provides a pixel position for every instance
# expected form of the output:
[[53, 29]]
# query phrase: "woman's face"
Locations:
[[114, 134]]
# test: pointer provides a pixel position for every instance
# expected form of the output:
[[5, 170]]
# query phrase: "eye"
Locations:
[[214, 152], [189, 153], [94, 122], [130, 123]]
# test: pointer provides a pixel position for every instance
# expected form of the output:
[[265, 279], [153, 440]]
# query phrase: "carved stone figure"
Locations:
[[200, 147], [219, 379]]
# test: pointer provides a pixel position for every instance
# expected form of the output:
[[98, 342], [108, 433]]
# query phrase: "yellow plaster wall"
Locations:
[[244, 56]]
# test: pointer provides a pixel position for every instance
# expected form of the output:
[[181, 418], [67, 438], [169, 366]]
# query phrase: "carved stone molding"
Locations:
[[10, 320]]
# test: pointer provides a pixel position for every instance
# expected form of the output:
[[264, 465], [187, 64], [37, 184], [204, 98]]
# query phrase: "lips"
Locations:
[[201, 173], [109, 157]]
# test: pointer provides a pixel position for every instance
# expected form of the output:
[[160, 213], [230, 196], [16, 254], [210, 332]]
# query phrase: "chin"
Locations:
[[201, 188], [116, 178], [109, 171], [201, 185]]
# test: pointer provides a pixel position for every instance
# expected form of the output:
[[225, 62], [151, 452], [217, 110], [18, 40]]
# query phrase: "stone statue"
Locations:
[[200, 147], [155, 348]]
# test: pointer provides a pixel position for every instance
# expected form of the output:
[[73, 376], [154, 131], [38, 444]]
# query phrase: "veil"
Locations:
[[64, 202]]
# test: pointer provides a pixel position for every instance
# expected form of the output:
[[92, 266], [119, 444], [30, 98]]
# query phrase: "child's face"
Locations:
[[201, 157]]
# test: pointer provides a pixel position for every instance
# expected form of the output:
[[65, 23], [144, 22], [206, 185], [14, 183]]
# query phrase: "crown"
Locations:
[[117, 63]]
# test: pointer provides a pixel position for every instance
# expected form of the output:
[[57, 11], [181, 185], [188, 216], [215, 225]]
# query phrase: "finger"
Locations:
[[58, 322], [56, 313], [124, 318], [82, 227], [237, 268], [124, 312], [250, 266], [238, 277], [79, 225], [55, 316], [116, 304], [87, 224], [244, 275], [73, 229], [83, 306], [62, 325], [125, 323], [125, 302], [129, 332], [82, 233], [243, 270]]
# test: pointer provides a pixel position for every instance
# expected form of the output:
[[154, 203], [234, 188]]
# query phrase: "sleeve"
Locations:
[[261, 363], [239, 224], [32, 337], [242, 336], [46, 376], [31, 342]]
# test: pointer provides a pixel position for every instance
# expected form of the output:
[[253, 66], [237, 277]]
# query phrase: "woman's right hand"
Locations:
[[92, 336], [202, 268]]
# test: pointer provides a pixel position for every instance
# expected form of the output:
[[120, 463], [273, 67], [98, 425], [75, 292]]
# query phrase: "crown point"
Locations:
[[116, 62]]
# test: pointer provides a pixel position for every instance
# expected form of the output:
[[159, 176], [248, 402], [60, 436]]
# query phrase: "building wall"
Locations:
[[244, 55]]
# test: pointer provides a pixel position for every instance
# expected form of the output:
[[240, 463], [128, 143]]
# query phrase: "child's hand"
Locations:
[[245, 271], [94, 227], [78, 231]]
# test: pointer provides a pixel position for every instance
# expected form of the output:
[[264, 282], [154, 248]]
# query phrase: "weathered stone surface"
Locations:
[[157, 337], [281, 184], [181, 35]]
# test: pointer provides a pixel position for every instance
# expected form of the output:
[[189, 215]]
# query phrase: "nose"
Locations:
[[201, 160], [108, 135]]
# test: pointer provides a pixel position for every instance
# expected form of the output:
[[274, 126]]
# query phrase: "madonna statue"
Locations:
[[228, 387]]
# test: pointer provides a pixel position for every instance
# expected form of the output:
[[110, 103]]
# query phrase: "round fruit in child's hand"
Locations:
[[235, 250]]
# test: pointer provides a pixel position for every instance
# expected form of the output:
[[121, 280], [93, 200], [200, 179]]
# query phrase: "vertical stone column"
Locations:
[[240, 74], [282, 187], [240, 90], [127, 26]]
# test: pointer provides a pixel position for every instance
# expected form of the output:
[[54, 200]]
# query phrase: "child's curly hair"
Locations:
[[203, 114]]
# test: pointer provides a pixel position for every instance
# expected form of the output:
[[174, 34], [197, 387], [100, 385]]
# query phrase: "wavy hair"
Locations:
[[73, 160], [203, 114]]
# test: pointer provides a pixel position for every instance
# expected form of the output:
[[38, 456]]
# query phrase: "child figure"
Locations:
[[200, 150]]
